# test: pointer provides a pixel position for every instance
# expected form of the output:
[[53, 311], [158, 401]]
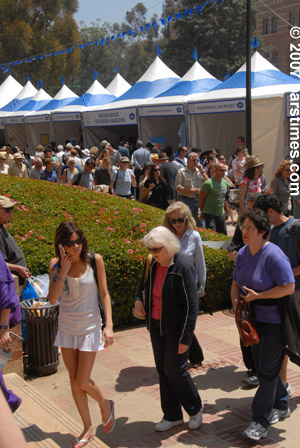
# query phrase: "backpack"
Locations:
[[292, 230]]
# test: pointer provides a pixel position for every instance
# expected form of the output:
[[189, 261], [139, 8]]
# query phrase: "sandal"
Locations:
[[110, 418], [85, 441]]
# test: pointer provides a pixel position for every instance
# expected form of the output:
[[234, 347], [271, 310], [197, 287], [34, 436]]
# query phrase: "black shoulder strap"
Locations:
[[94, 267], [179, 161]]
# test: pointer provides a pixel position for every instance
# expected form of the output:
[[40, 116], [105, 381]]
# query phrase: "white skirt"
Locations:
[[87, 342]]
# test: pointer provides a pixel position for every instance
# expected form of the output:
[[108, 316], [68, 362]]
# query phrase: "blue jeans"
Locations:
[[268, 356], [216, 223], [175, 383], [193, 205]]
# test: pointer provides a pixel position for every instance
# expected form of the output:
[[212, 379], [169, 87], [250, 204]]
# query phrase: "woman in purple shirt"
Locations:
[[265, 273]]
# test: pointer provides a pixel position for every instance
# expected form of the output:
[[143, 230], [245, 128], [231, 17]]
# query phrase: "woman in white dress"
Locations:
[[79, 325], [69, 172]]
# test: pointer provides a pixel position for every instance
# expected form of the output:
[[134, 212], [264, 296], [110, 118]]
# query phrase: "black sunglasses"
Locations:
[[9, 209], [71, 243], [179, 220]]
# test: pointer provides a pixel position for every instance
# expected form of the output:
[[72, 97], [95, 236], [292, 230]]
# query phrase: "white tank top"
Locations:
[[79, 311]]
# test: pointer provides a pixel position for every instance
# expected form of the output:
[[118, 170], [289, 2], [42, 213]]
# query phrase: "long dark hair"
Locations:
[[63, 235]]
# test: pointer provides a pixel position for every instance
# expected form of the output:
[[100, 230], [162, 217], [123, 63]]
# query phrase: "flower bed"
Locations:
[[113, 227]]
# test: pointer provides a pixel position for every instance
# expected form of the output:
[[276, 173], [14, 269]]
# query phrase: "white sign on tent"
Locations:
[[165, 110], [216, 107], [111, 117]]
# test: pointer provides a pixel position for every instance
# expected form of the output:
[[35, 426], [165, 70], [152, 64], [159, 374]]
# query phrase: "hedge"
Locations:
[[113, 227]]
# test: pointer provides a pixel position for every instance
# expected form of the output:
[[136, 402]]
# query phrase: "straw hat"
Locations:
[[253, 162]]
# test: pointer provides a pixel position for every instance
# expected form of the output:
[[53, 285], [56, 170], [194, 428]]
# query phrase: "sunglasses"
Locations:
[[155, 250], [71, 243], [156, 170], [179, 220], [9, 209]]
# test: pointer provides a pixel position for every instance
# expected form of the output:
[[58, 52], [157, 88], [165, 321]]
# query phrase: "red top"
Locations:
[[160, 275]]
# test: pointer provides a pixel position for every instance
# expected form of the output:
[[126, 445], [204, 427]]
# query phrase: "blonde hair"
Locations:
[[281, 167], [186, 212], [94, 151]]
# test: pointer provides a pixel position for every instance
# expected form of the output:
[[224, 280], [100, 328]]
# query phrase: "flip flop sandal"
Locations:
[[85, 441], [111, 417]]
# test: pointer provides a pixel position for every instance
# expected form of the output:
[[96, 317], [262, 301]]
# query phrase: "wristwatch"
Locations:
[[4, 327]]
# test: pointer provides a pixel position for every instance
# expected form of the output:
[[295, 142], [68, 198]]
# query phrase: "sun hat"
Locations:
[[253, 162], [19, 155], [6, 202], [124, 159], [86, 152]]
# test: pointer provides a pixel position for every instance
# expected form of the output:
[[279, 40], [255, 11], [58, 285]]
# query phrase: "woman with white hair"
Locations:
[[69, 172], [170, 309]]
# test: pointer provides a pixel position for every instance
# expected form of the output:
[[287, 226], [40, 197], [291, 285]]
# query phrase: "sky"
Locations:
[[112, 10]]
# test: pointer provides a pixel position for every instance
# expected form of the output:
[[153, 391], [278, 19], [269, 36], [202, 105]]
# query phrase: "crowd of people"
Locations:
[[194, 190]]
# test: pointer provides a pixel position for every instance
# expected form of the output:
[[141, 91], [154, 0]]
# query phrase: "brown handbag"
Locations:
[[245, 324]]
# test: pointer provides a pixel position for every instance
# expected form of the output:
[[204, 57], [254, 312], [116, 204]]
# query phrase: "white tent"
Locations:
[[15, 127], [39, 125], [162, 119], [118, 86], [8, 91], [120, 116], [67, 121], [216, 118]]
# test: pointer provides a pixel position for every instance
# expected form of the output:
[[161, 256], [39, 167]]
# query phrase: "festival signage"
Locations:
[[113, 117], [161, 110], [70, 116], [217, 107]]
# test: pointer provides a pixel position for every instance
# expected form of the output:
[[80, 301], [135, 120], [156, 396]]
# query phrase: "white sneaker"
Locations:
[[255, 431], [196, 420], [278, 414], [165, 425]]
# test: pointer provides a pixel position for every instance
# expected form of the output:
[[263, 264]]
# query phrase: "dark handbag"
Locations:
[[94, 267], [245, 324]]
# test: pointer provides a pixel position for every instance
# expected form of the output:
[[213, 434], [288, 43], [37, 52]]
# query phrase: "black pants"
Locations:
[[176, 385], [195, 353], [247, 357]]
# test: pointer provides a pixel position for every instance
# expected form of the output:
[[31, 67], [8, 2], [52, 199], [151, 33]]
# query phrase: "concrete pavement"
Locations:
[[126, 374]]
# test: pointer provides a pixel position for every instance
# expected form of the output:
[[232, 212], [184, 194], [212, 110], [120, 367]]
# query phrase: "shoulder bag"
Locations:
[[245, 324]]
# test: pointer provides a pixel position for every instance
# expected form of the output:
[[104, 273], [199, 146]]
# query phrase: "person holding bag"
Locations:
[[79, 325], [10, 315], [263, 277]]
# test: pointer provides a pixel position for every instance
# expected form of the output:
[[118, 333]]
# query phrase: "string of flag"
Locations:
[[182, 15]]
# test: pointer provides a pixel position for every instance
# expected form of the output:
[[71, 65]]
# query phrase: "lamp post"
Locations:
[[248, 80]]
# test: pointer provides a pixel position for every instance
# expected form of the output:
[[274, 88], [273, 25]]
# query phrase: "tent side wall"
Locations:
[[268, 118], [39, 134], [162, 126], [218, 130], [93, 135], [16, 135], [67, 130]]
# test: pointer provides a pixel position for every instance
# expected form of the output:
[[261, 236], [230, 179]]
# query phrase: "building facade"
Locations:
[[273, 23]]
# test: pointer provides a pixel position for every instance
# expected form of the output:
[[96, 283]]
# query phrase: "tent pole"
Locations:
[[248, 80]]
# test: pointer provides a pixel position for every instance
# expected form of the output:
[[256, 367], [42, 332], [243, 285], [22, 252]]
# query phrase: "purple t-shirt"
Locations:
[[268, 268]]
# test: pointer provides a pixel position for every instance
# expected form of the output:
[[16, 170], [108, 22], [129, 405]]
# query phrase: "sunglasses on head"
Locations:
[[71, 243], [179, 220]]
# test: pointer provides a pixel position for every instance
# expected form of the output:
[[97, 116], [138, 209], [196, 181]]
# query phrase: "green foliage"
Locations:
[[218, 32], [113, 226], [34, 27]]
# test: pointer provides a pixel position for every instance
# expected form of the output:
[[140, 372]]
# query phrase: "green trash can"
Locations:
[[41, 327]]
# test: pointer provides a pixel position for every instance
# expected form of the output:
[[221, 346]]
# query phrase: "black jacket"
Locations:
[[179, 299]]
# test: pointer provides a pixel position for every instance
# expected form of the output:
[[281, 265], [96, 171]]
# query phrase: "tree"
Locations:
[[218, 33], [131, 54], [35, 27]]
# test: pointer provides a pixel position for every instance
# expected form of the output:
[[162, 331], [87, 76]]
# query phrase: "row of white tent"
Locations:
[[160, 107]]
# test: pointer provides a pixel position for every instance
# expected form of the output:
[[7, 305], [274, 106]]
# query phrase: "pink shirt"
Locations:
[[160, 275]]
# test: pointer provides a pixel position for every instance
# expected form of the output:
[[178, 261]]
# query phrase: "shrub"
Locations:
[[113, 227]]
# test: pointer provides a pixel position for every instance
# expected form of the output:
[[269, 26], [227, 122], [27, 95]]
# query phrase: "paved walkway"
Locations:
[[127, 375]]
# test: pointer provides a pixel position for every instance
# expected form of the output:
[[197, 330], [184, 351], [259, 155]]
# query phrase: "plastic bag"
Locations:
[[40, 284]]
